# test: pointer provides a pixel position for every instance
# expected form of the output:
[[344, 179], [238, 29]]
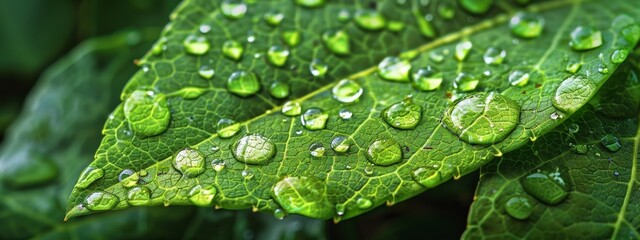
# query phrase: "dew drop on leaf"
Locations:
[[88, 176], [611, 143], [310, 3], [337, 42], [253, 149], [394, 69], [395, 26], [291, 108], [147, 112], [344, 15], [494, 56], [202, 195], [340, 144], [317, 68], [619, 55], [476, 6], [317, 149], [426, 79], [573, 67], [427, 177], [139, 196], [369, 19], [603, 69], [526, 25], [206, 71], [482, 118], [314, 119], [465, 82], [247, 174], [279, 214], [347, 91], [436, 57], [279, 89], [218, 165], [233, 9], [189, 162], [100, 201], [462, 50], [572, 93], [243, 83], [291, 38], [227, 128], [345, 114], [232, 49], [303, 195], [277, 55], [585, 38], [580, 149], [574, 128], [364, 203], [204, 28], [196, 45], [544, 188], [518, 207], [403, 115], [273, 18], [384, 152], [446, 10], [631, 33], [128, 178], [518, 78]]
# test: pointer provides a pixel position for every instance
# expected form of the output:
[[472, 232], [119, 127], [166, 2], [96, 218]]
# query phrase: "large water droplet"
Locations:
[[196, 45], [526, 25], [546, 188], [233, 9], [462, 50], [227, 128], [202, 195], [482, 118], [310, 3], [273, 18], [476, 6], [277, 55], [206, 72], [189, 162], [369, 19], [337, 42], [253, 149], [243, 83], [572, 93], [88, 176], [314, 119], [618, 56], [585, 38], [304, 196], [147, 113], [384, 152], [611, 143], [318, 68], [494, 56], [100, 201], [279, 89], [347, 91], [518, 207], [232, 49], [340, 144], [317, 149], [426, 79], [465, 82], [403, 115], [291, 38], [394, 69], [139, 196], [291, 108], [518, 78]]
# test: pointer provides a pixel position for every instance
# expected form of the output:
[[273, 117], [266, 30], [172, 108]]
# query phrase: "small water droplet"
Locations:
[[88, 176], [403, 115], [277, 55], [446, 10], [218, 164], [128, 178], [384, 152], [573, 67], [317, 149], [247, 174], [462, 50], [206, 71], [279, 89], [291, 108], [573, 92], [436, 57], [616, 173], [518, 78], [347, 91], [314, 119], [611, 143], [580, 149], [303, 195], [202, 195], [395, 26], [340, 144], [318, 68], [465, 82], [227, 128], [232, 49], [337, 42], [574, 128], [369, 19], [526, 25], [204, 28], [494, 56], [243, 83], [518, 207], [368, 170], [394, 69], [585, 38], [273, 18], [426, 79], [618, 56], [554, 116], [345, 114], [100, 201], [139, 196], [189, 162], [279, 214], [253, 149], [233, 9], [196, 45], [147, 113], [291, 38], [603, 69]]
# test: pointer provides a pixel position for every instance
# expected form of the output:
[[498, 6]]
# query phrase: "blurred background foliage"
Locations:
[[63, 64]]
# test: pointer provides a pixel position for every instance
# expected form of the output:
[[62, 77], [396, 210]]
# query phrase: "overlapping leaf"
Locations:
[[294, 168]]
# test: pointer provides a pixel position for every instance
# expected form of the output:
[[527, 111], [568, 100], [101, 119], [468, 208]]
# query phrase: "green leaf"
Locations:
[[257, 157], [595, 154]]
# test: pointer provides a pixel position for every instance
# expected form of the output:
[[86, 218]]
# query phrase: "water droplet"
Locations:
[[494, 56], [291, 108], [611, 143], [369, 19], [206, 71], [395, 26], [631, 33], [160, 46], [243, 83], [196, 45], [364, 203], [218, 164], [603, 69], [427, 177], [554, 116], [253, 149], [368, 170], [462, 50], [304, 196], [233, 9], [426, 79], [403, 115], [347, 91], [580, 149], [345, 114], [572, 93], [585, 38], [273, 18], [340, 209], [616, 173], [482, 118], [279, 89], [618, 56], [232, 49], [310, 3], [547, 189], [518, 78], [139, 196], [394, 69], [573, 67], [202, 195], [337, 42], [314, 119], [340, 144], [424, 24], [384, 152], [518, 207], [204, 28], [247, 174], [128, 178], [465, 82], [189, 162], [227, 128], [436, 57], [446, 10], [526, 25], [317, 149], [476, 6], [100, 201], [88, 176], [318, 68], [147, 113], [291, 38], [277, 55], [574, 128]]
